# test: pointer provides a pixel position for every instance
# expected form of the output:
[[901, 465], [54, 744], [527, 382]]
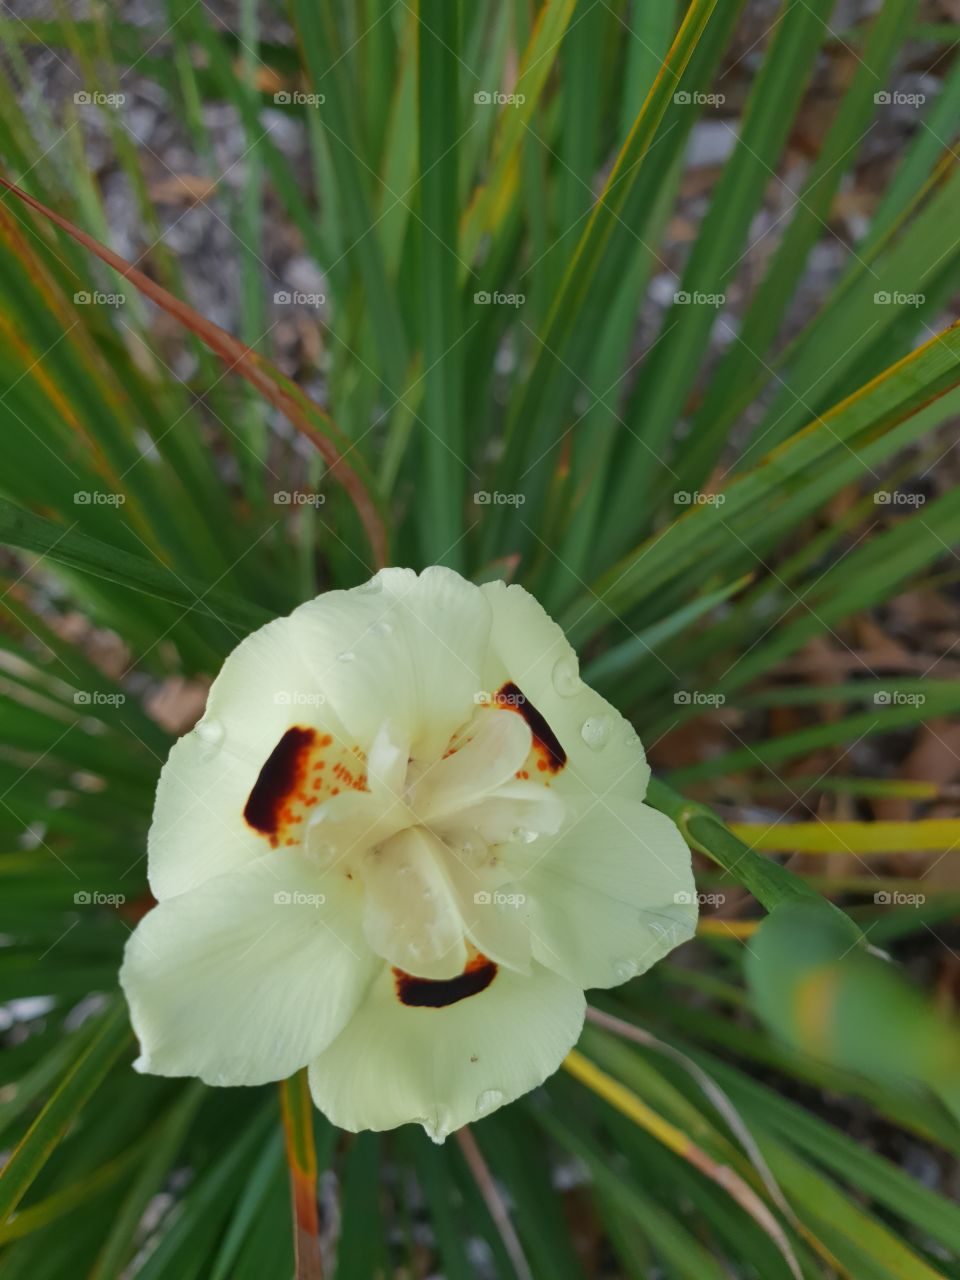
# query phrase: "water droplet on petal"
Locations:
[[347, 656], [437, 1127], [566, 676], [488, 1101], [211, 732], [382, 628], [523, 835], [472, 850], [625, 969], [595, 731]]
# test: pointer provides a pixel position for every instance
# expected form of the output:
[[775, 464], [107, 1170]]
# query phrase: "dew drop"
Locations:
[[523, 835], [625, 969], [210, 732], [566, 676], [437, 1127], [347, 656], [382, 628], [471, 850], [488, 1101], [595, 731]]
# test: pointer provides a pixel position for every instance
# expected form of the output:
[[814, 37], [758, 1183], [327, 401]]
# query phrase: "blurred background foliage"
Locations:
[[643, 304]]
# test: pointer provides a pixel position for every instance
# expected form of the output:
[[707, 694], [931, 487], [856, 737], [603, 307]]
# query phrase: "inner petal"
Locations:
[[489, 753], [517, 812], [411, 917]]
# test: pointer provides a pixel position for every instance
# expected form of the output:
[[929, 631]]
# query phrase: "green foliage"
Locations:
[[488, 191]]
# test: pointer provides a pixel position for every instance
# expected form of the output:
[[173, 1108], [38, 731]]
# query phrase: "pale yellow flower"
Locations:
[[399, 845]]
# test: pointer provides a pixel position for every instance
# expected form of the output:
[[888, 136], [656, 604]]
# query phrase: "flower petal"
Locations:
[[410, 915], [248, 977], [264, 689], [404, 648], [497, 745], [586, 746], [443, 1064], [611, 895]]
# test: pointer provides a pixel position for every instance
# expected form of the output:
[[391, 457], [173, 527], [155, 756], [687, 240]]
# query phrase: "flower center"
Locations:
[[436, 843]]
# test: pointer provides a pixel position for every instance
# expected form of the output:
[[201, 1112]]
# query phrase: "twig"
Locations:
[[494, 1202]]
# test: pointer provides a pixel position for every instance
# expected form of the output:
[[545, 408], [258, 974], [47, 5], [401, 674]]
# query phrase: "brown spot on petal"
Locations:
[[278, 781], [546, 743], [437, 993], [299, 774]]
